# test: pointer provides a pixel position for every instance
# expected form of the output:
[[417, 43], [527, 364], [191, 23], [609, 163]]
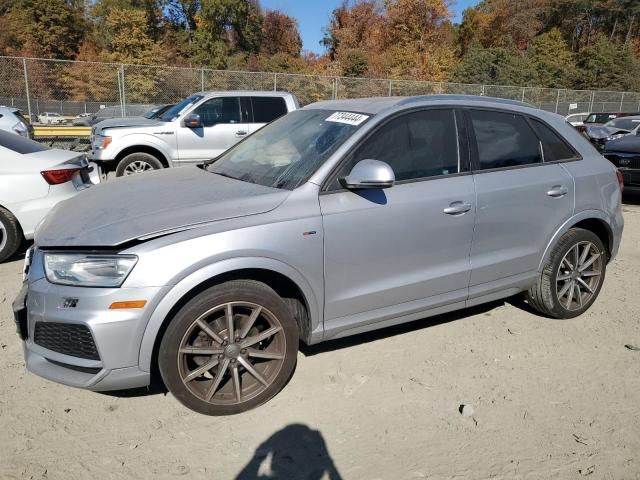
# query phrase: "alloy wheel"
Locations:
[[579, 275], [139, 166], [231, 353], [3, 236]]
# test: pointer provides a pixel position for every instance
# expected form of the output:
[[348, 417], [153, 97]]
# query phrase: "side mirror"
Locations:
[[192, 121], [369, 174]]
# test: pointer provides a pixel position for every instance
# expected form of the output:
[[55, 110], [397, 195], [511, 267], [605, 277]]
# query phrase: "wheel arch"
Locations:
[[141, 148], [593, 220], [285, 280]]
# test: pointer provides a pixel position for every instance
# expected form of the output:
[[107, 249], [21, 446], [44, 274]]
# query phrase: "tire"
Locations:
[[572, 276], [137, 162], [257, 370], [10, 234]]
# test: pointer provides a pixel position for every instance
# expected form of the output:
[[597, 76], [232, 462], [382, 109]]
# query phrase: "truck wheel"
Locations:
[[138, 162], [10, 234], [229, 349]]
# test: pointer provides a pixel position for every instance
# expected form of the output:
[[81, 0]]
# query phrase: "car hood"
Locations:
[[126, 122], [626, 144], [152, 204], [598, 132]]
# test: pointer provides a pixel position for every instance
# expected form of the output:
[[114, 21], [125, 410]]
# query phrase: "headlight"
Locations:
[[88, 270], [615, 137]]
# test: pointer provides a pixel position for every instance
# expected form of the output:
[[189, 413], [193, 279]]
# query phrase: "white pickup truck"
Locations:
[[198, 128]]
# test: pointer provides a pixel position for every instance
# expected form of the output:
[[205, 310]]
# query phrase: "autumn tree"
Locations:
[[280, 34], [51, 29]]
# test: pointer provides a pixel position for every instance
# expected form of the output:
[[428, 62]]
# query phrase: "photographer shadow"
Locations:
[[295, 452]]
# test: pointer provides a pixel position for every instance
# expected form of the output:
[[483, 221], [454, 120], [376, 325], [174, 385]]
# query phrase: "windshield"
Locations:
[[623, 123], [156, 112], [178, 108], [285, 153], [599, 117]]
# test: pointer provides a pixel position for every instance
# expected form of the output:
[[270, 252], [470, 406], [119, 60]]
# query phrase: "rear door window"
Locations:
[[504, 140], [267, 109], [555, 148]]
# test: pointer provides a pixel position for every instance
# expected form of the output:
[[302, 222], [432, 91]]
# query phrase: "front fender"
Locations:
[[184, 286], [143, 140], [578, 217]]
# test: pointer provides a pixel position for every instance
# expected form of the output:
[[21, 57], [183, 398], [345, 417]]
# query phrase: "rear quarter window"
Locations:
[[267, 109], [554, 146]]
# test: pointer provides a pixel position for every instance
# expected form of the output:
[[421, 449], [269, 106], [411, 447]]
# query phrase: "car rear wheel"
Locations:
[[138, 162], [229, 349], [572, 276], [10, 234]]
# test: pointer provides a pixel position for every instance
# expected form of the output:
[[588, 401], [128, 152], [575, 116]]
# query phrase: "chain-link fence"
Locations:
[[71, 88]]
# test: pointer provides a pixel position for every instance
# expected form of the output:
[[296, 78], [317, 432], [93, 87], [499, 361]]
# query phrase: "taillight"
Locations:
[[56, 177], [620, 180]]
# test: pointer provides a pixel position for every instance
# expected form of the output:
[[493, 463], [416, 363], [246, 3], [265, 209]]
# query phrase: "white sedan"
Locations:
[[33, 179], [51, 118]]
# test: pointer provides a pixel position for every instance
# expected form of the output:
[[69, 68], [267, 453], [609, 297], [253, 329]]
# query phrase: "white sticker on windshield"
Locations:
[[347, 117]]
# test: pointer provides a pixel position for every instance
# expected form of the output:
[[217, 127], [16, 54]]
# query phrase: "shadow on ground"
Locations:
[[295, 452]]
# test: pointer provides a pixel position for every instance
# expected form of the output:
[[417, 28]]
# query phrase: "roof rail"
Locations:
[[469, 98]]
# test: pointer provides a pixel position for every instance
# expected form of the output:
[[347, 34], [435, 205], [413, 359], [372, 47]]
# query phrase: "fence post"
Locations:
[[390, 87], [482, 91], [275, 82], [593, 97], [123, 100], [26, 85], [335, 87], [202, 79], [557, 100], [621, 102], [524, 89]]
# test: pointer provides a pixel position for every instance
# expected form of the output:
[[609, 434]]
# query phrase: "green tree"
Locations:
[[495, 66], [608, 65], [552, 60]]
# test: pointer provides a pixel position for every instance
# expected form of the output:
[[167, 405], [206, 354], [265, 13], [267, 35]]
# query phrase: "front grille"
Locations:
[[624, 160], [67, 338]]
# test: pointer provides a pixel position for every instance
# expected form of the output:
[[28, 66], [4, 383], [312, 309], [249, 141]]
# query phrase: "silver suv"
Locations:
[[336, 219], [12, 121], [200, 127]]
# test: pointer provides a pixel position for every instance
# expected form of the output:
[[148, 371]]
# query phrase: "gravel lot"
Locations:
[[550, 399]]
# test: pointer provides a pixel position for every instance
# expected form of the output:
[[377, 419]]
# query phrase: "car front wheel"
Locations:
[[230, 349], [572, 276], [10, 234]]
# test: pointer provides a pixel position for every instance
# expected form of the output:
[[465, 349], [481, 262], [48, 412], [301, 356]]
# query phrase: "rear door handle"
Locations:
[[558, 191], [241, 133], [457, 208]]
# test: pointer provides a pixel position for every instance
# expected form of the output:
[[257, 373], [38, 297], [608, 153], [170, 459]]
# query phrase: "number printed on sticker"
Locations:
[[347, 117]]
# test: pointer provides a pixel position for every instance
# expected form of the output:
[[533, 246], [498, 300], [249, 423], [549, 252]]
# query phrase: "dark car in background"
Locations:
[[600, 118], [112, 112], [624, 153], [599, 136]]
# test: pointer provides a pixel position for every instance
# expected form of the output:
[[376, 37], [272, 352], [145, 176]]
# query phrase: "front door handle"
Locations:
[[457, 208], [241, 133], [558, 191]]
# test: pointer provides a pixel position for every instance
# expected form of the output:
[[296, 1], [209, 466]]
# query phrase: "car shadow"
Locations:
[[294, 452], [358, 339]]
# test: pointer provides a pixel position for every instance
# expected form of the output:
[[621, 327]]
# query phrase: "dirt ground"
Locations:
[[550, 399]]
